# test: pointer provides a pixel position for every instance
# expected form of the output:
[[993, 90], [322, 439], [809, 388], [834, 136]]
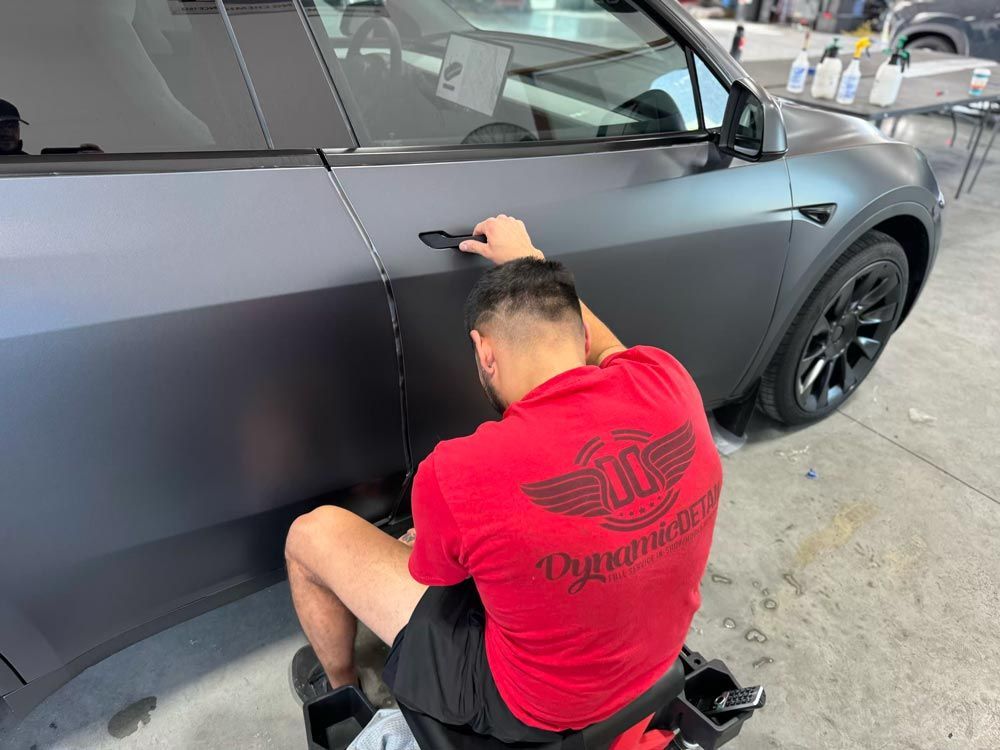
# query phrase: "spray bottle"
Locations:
[[824, 85], [889, 77], [800, 69], [852, 76]]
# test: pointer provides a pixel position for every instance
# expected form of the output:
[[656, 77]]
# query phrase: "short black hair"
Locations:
[[542, 289]]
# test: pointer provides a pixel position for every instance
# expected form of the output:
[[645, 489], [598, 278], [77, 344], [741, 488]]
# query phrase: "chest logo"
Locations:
[[628, 482]]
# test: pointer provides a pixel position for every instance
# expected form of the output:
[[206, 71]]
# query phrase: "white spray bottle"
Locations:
[[852, 76], [800, 69], [889, 77], [824, 85]]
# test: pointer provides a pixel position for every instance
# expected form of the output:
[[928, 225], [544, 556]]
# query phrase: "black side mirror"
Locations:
[[752, 128]]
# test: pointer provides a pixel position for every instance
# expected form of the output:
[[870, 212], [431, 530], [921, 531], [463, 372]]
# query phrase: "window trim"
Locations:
[[695, 86], [387, 155], [422, 154], [156, 162]]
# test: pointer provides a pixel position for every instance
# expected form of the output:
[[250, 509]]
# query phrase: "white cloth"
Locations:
[[387, 730]]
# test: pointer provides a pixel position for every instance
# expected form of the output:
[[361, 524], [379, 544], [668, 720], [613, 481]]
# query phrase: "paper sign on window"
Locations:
[[473, 73]]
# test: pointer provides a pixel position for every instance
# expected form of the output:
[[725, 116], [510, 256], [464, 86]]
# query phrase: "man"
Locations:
[[10, 130], [582, 519]]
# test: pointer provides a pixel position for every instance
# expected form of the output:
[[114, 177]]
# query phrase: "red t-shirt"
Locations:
[[585, 518]]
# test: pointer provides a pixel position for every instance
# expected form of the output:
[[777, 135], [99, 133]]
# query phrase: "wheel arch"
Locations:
[[909, 223], [913, 237], [952, 28]]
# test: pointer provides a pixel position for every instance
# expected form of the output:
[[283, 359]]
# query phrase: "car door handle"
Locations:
[[442, 240]]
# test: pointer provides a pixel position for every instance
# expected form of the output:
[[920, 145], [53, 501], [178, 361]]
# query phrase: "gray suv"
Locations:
[[229, 294]]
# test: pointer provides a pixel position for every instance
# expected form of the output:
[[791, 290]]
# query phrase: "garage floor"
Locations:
[[865, 599]]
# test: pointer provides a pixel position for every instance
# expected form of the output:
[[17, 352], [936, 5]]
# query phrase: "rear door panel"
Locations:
[[186, 360], [672, 246]]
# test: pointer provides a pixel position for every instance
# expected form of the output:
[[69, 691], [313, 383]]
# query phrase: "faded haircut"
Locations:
[[508, 298]]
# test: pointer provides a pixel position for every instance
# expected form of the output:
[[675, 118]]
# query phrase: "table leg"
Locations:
[[954, 129], [977, 133], [986, 153], [895, 124]]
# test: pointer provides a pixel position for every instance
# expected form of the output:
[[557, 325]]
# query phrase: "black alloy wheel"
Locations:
[[839, 334], [848, 336]]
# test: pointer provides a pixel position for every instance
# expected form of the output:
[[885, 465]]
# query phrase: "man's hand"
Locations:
[[506, 240]]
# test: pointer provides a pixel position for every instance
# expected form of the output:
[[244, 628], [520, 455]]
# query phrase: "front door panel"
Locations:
[[673, 246]]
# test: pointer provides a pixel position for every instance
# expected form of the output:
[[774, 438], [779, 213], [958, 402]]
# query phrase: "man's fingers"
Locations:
[[474, 246], [484, 226]]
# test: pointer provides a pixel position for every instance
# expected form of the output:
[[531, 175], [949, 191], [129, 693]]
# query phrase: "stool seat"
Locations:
[[431, 733]]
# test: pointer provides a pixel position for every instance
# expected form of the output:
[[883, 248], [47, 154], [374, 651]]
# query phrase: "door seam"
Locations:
[[393, 314]]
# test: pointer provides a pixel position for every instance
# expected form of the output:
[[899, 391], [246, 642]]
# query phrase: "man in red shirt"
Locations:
[[558, 551]]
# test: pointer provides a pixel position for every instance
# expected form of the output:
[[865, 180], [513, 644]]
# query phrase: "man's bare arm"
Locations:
[[506, 240]]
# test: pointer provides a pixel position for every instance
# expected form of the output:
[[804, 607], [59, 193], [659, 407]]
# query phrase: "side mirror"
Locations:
[[752, 128]]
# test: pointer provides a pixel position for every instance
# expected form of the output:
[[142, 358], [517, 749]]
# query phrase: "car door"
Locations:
[[195, 341], [984, 28], [594, 128]]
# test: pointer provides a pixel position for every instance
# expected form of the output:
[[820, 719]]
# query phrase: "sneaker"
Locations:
[[306, 675]]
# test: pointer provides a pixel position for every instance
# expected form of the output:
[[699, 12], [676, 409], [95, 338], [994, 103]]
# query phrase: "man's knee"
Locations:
[[317, 529]]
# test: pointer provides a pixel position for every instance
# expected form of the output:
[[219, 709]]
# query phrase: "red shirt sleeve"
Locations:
[[435, 560]]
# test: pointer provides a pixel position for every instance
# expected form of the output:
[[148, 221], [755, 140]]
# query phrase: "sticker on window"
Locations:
[[473, 73]]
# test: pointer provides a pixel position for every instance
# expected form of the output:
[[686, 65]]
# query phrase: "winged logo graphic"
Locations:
[[627, 486]]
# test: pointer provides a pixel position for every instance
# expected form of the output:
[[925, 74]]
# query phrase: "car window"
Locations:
[[713, 95], [121, 76], [449, 72]]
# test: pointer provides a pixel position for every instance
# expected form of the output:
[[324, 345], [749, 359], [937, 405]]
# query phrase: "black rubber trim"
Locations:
[[427, 154], [13, 669], [206, 161], [695, 87]]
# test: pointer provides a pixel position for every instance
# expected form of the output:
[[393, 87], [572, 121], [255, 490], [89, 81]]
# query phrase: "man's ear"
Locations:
[[484, 351], [586, 341]]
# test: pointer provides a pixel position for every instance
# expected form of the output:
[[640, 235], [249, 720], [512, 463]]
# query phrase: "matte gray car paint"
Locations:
[[639, 229], [183, 377], [142, 403]]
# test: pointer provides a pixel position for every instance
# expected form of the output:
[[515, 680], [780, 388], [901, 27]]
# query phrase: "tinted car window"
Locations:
[[119, 76], [448, 72]]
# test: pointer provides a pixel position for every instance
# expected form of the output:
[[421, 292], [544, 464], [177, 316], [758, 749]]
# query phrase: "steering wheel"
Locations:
[[356, 59], [499, 132]]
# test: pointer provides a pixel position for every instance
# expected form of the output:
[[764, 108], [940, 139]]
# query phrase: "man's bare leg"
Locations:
[[341, 569]]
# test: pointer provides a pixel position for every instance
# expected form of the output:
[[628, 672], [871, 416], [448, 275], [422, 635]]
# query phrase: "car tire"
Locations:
[[934, 42], [839, 334]]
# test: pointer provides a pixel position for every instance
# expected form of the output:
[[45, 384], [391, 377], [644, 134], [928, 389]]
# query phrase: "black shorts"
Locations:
[[437, 666]]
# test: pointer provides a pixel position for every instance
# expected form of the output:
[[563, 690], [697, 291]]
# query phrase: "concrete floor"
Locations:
[[865, 599]]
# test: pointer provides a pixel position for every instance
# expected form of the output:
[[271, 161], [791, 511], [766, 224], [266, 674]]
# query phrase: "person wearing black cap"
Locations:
[[10, 130]]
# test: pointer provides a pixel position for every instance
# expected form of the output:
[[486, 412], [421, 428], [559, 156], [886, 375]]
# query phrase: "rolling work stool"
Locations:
[[671, 711]]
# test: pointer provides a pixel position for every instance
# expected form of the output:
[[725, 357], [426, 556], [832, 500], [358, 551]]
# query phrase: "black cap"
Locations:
[[9, 112]]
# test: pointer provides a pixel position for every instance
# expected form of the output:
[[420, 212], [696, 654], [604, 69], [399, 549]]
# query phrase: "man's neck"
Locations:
[[539, 369]]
